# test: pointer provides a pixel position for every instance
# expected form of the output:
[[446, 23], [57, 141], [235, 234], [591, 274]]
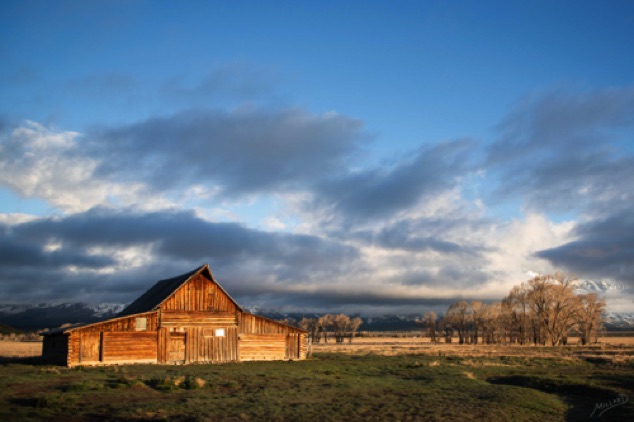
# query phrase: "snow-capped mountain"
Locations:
[[42, 315], [619, 320], [107, 309], [595, 286]]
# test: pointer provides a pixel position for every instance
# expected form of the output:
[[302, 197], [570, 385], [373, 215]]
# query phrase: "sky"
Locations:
[[363, 157]]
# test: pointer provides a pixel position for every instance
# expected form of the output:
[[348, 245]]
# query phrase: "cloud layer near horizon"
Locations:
[[139, 202]]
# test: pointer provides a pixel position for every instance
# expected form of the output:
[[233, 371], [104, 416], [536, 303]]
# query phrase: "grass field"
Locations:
[[440, 383]]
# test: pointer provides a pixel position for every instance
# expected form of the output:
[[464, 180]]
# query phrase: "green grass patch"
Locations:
[[327, 387]]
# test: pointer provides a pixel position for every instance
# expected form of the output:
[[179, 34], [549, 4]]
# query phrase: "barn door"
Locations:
[[89, 347], [218, 345], [177, 347]]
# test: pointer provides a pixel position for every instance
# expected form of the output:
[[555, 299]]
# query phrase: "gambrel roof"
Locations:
[[163, 289]]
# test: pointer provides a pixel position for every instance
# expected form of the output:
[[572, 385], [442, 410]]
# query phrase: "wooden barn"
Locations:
[[185, 319]]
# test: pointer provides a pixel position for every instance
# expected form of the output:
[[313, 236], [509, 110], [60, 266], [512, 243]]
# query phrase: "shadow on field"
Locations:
[[29, 360], [586, 402]]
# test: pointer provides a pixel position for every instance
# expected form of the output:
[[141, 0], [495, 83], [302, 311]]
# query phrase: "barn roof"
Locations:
[[163, 289]]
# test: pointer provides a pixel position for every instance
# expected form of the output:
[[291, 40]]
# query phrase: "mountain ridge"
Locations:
[[42, 315]]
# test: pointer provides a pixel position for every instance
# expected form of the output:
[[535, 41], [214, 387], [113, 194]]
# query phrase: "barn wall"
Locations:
[[86, 344], [199, 294], [262, 347], [123, 324], [265, 339], [74, 349], [55, 349], [253, 324], [197, 318], [204, 345], [296, 346], [199, 322], [129, 347], [198, 344]]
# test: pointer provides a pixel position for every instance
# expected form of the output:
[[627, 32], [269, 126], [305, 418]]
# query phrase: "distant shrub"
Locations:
[[162, 384], [193, 383]]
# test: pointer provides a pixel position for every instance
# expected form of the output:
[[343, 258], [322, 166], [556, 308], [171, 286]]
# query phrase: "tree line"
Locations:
[[543, 310], [338, 326]]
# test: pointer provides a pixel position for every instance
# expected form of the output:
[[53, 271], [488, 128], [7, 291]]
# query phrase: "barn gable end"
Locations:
[[184, 319]]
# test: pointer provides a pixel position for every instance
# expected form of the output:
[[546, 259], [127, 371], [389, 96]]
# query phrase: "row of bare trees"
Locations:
[[338, 326], [543, 310]]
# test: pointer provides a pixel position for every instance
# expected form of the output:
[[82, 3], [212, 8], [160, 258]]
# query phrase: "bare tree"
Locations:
[[325, 323], [355, 323], [458, 317], [311, 325], [444, 326], [429, 320], [516, 313], [590, 317], [555, 305], [340, 324], [476, 315], [492, 323], [542, 310]]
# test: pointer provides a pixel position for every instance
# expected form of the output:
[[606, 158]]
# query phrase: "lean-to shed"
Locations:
[[185, 319]]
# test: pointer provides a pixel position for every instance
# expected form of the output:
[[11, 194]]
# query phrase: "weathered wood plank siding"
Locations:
[[89, 346], [303, 345], [124, 324], [256, 332], [253, 324], [129, 347], [163, 342], [262, 347], [198, 318], [85, 344], [199, 294], [208, 346], [74, 348]]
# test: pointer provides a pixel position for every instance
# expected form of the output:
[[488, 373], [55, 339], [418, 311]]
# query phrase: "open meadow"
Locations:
[[372, 379]]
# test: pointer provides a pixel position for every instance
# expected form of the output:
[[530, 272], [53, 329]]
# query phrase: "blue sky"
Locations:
[[364, 156]]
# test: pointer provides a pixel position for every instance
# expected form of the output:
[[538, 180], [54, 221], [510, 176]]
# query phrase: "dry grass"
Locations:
[[20, 349], [616, 350]]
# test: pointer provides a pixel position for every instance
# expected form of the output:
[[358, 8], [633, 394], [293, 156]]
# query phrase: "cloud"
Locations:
[[103, 244], [564, 151], [150, 164], [552, 123], [422, 229], [380, 192], [104, 255], [244, 151], [604, 248], [38, 162]]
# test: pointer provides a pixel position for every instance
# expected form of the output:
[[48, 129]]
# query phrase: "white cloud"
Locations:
[[45, 163]]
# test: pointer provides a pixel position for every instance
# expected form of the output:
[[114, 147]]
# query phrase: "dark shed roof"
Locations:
[[158, 293]]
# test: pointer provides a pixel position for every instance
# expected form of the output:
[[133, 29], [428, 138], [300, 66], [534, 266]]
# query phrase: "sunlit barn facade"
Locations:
[[185, 319]]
